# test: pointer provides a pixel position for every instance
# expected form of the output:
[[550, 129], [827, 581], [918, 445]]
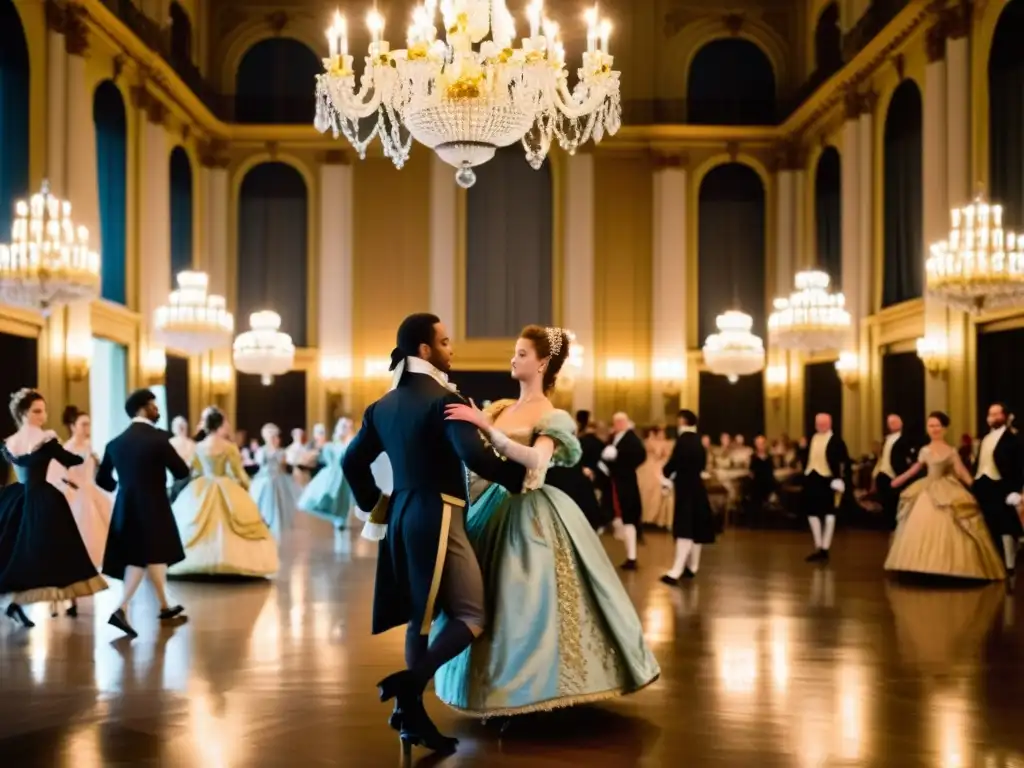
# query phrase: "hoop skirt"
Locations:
[[940, 529], [42, 556], [273, 490], [561, 629], [219, 523], [328, 494]]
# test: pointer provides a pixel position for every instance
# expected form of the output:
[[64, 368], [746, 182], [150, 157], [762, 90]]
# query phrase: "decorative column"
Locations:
[[934, 197], [869, 416], [443, 241], [855, 288], [155, 204], [578, 269], [334, 327], [669, 291]]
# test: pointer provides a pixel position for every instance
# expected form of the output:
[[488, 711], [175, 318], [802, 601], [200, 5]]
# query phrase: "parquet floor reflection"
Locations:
[[766, 661]]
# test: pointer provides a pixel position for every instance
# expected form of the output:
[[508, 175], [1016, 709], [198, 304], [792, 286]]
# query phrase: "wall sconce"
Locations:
[[335, 370], [620, 370], [154, 366], [78, 357], [775, 379], [933, 351], [220, 379], [670, 374], [848, 368], [376, 367]]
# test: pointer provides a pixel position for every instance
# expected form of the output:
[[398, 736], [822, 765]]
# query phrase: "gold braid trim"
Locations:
[[379, 513], [54, 594]]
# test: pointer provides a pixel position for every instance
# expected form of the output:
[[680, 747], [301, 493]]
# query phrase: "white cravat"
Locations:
[[419, 365], [817, 456], [986, 456], [142, 420], [884, 465]]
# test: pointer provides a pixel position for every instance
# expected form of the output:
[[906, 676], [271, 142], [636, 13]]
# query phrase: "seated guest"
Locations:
[[761, 485]]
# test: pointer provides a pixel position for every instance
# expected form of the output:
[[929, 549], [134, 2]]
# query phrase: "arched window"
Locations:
[[828, 41], [272, 247], [1006, 113], [731, 82], [828, 214], [509, 236], [181, 35], [904, 239], [181, 212], [731, 242], [112, 163], [14, 122], [275, 83]]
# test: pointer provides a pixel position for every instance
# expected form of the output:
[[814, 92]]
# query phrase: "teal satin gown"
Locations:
[[561, 629], [328, 494]]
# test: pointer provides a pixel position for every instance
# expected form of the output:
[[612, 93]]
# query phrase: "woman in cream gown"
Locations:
[[939, 526], [657, 505], [220, 525], [561, 629], [272, 489]]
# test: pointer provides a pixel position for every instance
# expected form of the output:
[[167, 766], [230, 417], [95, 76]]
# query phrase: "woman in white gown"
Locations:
[[220, 524], [185, 447], [272, 489]]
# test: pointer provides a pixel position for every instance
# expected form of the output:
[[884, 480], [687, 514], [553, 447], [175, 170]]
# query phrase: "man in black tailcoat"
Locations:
[[998, 477], [827, 474], [620, 459], [693, 522], [898, 453], [425, 561], [143, 538]]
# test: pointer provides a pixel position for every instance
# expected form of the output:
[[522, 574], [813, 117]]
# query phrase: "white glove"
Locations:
[[610, 453], [705, 475], [1013, 500], [838, 486], [603, 467]]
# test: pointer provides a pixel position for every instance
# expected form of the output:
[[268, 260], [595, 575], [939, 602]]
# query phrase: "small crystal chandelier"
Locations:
[[463, 102], [734, 351], [264, 350], [812, 319], [981, 266], [48, 262], [192, 320]]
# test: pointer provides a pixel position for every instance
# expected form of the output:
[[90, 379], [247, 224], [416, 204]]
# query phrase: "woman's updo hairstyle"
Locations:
[[70, 416], [21, 402], [550, 343], [213, 419], [940, 417]]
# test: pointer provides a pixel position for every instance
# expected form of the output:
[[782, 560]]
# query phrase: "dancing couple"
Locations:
[[523, 549]]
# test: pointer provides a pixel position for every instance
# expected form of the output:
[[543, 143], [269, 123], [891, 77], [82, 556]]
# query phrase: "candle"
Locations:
[[606, 32], [533, 13], [590, 15], [375, 23]]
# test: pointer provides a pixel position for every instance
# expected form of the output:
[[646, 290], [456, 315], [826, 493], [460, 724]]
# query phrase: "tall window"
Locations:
[[112, 164], [904, 238], [1006, 113], [274, 83], [828, 214], [108, 390], [14, 76], [731, 82], [181, 212]]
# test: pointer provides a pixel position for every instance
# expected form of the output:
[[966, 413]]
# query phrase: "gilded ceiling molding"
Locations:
[[662, 160], [213, 153]]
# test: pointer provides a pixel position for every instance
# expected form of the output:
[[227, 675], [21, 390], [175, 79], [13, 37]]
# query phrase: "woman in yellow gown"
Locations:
[[220, 524], [939, 527]]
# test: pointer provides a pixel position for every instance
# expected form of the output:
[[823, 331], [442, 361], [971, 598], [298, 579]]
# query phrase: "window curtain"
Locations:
[[1000, 371], [272, 247], [731, 82], [828, 213], [282, 403], [1006, 114], [904, 246], [176, 384], [509, 240], [903, 391], [14, 115], [181, 212], [734, 408], [108, 390], [275, 83], [731, 242], [20, 368], [823, 393], [111, 161]]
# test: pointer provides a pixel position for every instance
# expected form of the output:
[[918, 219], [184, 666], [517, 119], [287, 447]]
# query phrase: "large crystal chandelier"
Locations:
[[734, 351], [981, 266], [193, 320], [264, 350], [812, 319], [48, 261], [465, 102]]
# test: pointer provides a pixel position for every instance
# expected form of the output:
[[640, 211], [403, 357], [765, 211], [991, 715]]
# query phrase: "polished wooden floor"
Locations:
[[766, 661]]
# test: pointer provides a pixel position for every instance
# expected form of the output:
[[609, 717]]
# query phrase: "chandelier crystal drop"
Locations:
[[812, 319], [193, 320], [48, 261], [981, 266], [464, 101], [734, 351], [264, 350]]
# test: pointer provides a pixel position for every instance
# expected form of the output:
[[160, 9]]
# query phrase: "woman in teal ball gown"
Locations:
[[328, 494], [272, 488], [561, 629]]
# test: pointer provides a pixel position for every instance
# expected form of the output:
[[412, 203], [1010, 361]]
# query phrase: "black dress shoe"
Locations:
[[72, 611], [418, 730], [17, 615], [688, 574], [629, 565], [817, 556], [170, 613], [672, 581], [119, 620], [397, 722]]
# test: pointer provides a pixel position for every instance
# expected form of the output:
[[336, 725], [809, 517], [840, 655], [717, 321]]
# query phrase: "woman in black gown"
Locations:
[[42, 556]]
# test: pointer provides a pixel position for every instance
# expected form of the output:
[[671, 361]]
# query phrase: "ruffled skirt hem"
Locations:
[[55, 594]]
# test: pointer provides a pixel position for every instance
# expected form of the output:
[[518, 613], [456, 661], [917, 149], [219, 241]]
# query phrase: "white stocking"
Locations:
[[618, 529], [629, 535], [830, 529], [815, 523], [683, 547], [158, 577], [1010, 552], [132, 580], [694, 562]]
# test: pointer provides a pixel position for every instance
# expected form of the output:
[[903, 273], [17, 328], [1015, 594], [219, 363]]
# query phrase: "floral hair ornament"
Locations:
[[554, 340]]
